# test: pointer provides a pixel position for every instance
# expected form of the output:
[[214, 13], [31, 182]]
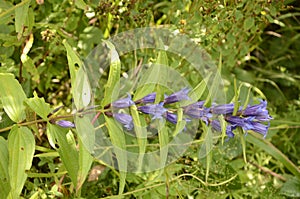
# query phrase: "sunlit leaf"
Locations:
[[39, 106], [66, 149], [114, 74], [12, 97], [21, 145]]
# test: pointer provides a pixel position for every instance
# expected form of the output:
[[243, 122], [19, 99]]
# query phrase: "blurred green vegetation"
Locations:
[[255, 42]]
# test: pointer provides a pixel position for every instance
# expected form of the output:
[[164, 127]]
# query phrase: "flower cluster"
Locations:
[[252, 117]]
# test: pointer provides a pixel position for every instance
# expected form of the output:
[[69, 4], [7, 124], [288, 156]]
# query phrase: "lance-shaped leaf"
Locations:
[[21, 146], [12, 97], [114, 74]]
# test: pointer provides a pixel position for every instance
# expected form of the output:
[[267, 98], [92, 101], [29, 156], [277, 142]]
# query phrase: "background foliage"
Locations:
[[255, 43]]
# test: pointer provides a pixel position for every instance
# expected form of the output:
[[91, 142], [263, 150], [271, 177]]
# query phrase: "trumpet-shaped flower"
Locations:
[[259, 111], [65, 124], [178, 96], [223, 109], [150, 98], [197, 111], [124, 119], [229, 128], [123, 103], [156, 110]]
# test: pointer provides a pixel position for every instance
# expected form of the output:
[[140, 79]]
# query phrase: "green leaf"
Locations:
[[198, 91], [21, 14], [39, 106], [141, 135], [248, 23], [117, 137], [85, 162], [67, 149], [291, 188], [86, 132], [21, 145], [268, 147], [4, 176], [82, 89], [73, 60], [12, 96], [180, 123], [81, 4], [206, 148], [163, 138], [114, 74]]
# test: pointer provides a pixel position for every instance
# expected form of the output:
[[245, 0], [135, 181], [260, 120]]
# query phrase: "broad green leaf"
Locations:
[[39, 106], [12, 97], [117, 137], [268, 147], [114, 74], [67, 149], [4, 176], [82, 89], [21, 145], [85, 162], [21, 14], [86, 132]]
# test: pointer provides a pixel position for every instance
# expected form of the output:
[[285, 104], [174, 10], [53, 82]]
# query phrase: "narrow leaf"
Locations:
[[118, 141], [141, 135], [268, 147], [114, 74], [12, 97], [85, 162], [73, 61], [21, 145]]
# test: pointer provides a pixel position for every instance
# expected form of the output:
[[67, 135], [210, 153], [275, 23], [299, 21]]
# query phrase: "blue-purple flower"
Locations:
[[65, 124], [229, 128], [197, 111], [123, 103], [249, 123], [178, 96], [150, 98], [171, 117], [124, 119], [259, 111], [223, 109], [156, 110]]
